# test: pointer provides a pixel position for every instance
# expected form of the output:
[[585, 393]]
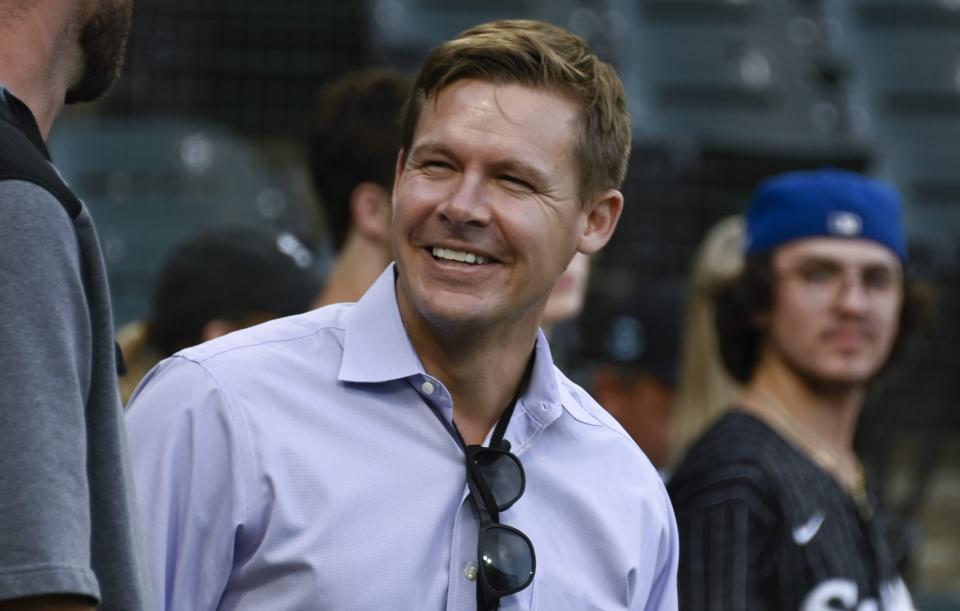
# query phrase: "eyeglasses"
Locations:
[[827, 280], [505, 558]]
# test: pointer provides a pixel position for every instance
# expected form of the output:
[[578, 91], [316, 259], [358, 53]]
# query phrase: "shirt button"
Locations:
[[428, 387], [470, 572]]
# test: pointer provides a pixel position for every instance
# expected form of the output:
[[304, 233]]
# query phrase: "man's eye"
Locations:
[[817, 274], [879, 279], [517, 183]]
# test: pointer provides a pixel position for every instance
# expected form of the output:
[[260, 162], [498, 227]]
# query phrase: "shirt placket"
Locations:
[[462, 585], [462, 570]]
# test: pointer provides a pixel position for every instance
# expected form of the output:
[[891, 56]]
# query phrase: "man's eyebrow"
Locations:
[[431, 148], [521, 168], [841, 263], [820, 260]]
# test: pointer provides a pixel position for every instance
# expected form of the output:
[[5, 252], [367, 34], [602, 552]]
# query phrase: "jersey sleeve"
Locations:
[[725, 525], [45, 378], [192, 464]]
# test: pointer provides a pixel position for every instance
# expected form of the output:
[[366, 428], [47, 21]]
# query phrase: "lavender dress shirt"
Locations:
[[309, 464]]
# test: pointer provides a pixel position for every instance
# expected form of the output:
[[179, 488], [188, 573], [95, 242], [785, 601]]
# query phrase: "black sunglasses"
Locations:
[[505, 558]]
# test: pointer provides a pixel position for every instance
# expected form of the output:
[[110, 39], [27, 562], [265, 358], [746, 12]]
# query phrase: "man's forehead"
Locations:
[[842, 251], [521, 118], [503, 92]]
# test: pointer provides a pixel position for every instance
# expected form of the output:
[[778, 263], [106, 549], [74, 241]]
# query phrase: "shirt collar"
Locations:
[[542, 398], [15, 111], [376, 347]]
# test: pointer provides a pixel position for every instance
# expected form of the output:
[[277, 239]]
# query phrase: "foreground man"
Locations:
[[333, 460], [771, 501], [67, 534]]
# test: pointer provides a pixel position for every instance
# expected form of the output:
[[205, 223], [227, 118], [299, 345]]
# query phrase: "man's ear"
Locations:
[[601, 216], [370, 211]]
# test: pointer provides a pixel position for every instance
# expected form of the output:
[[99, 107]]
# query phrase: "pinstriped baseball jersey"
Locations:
[[762, 527]]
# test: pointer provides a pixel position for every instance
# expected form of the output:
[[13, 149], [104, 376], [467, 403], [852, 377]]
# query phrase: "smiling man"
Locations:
[[771, 502], [419, 450]]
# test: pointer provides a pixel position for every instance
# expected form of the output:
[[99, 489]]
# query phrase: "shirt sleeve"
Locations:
[[724, 530], [191, 467], [663, 590], [45, 368]]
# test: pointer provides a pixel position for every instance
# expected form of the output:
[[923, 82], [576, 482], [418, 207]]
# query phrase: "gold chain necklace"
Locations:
[[852, 480]]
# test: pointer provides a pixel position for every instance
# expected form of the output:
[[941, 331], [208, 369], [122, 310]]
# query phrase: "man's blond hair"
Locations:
[[542, 56]]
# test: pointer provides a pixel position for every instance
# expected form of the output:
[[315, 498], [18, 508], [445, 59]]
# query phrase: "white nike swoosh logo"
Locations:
[[805, 532]]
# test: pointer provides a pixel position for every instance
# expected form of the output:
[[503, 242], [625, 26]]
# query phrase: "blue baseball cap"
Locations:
[[828, 203]]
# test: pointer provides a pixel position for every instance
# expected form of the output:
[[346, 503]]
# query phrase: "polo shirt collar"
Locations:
[[15, 111]]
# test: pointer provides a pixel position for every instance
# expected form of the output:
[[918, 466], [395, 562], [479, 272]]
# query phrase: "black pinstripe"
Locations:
[[743, 496]]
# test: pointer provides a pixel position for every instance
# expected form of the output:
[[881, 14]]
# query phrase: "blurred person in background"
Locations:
[[633, 345], [68, 534], [419, 449], [772, 505], [705, 389], [563, 308], [352, 156], [566, 300], [216, 282]]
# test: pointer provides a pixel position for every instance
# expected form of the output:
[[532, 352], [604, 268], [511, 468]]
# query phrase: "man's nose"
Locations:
[[852, 294], [468, 202]]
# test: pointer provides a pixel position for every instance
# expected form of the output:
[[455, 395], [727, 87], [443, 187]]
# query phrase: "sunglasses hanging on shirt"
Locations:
[[505, 557]]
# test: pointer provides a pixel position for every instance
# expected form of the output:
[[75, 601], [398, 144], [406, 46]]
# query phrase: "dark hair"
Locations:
[[544, 56], [749, 294], [239, 274], [354, 139]]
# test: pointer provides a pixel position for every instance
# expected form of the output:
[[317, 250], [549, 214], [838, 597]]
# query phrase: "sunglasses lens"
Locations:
[[507, 560], [502, 473]]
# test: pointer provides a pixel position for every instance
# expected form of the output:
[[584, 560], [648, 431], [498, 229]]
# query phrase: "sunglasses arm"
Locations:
[[481, 492]]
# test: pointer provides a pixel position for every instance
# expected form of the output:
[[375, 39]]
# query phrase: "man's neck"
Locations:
[[358, 264], [482, 370], [40, 58], [828, 413]]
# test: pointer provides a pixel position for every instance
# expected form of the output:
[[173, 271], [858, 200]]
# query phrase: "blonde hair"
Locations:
[[705, 389], [543, 56]]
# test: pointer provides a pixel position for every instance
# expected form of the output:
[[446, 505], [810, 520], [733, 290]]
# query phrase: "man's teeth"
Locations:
[[458, 255]]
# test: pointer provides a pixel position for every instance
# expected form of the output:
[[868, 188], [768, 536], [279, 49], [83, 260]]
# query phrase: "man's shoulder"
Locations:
[[29, 198], [735, 436], [583, 408], [291, 350], [593, 422], [317, 330], [733, 460], [35, 226]]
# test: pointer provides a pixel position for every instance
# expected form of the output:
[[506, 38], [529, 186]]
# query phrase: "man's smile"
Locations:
[[462, 256]]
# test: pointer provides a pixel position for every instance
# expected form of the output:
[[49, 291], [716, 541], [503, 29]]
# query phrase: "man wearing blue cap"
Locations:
[[771, 502]]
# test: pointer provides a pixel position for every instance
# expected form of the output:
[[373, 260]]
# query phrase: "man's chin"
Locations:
[[88, 90], [840, 379], [104, 42]]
